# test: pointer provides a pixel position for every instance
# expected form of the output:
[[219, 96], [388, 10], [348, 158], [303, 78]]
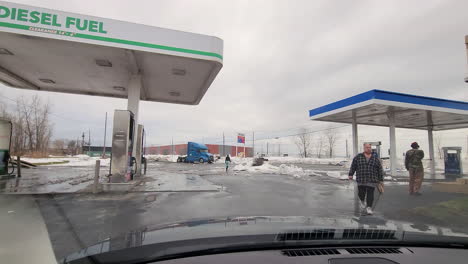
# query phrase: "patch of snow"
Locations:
[[337, 175], [73, 161], [82, 156]]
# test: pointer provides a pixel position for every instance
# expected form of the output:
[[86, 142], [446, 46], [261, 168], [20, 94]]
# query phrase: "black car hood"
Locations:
[[203, 234]]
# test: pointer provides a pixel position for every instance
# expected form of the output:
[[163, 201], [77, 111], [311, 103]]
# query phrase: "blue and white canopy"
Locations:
[[411, 111]]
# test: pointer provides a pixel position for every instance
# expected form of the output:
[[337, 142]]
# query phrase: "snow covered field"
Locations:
[[281, 166]]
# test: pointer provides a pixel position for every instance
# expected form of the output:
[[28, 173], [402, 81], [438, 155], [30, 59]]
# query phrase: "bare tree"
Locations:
[[331, 137], [303, 142], [72, 147], [32, 128], [319, 145]]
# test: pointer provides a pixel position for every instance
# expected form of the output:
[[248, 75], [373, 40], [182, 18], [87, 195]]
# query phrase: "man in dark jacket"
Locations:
[[369, 174], [413, 163]]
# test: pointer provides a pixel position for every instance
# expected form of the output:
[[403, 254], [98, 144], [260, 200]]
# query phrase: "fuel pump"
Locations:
[[5, 143], [375, 147], [452, 160], [122, 164]]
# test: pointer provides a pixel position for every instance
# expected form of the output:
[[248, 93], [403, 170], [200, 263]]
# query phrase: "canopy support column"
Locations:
[[355, 152], [393, 157], [431, 142], [355, 135], [134, 88]]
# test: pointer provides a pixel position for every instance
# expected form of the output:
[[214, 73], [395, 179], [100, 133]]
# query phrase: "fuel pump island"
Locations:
[[50, 50]]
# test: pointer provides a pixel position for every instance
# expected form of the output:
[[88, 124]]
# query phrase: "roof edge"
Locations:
[[390, 96]]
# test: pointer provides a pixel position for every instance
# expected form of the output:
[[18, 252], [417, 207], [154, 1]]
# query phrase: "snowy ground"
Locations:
[[175, 182], [71, 161], [77, 173]]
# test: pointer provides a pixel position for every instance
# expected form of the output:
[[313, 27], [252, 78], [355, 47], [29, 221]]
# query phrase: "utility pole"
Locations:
[[253, 144], [172, 147], [89, 141], [347, 148], [237, 142], [105, 132], [82, 142], [224, 152], [267, 148], [245, 154]]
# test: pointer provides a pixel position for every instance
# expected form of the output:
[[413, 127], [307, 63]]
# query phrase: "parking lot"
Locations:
[[172, 192]]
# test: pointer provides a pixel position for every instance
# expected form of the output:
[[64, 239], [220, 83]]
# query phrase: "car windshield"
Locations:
[[314, 115]]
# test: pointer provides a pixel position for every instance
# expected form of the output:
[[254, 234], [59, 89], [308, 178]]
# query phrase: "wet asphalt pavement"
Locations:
[[75, 221]]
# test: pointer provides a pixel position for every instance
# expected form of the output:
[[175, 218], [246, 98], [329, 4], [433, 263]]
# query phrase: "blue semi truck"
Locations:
[[196, 152]]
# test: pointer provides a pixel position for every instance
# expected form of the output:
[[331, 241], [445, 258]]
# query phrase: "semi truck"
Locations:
[[196, 152]]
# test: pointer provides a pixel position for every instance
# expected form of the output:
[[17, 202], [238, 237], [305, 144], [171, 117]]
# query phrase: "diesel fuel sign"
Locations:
[[49, 19]]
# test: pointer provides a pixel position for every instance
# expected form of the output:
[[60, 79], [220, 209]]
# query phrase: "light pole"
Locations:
[[279, 146]]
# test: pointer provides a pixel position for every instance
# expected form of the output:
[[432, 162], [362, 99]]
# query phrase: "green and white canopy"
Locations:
[[43, 49]]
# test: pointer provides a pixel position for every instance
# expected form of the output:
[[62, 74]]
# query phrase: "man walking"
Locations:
[[413, 163], [369, 175]]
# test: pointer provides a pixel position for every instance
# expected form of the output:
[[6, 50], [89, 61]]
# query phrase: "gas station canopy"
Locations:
[[49, 50], [411, 111], [395, 110]]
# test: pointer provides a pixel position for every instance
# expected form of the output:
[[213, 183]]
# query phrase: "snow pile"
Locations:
[[44, 160], [323, 161], [293, 170], [267, 168]]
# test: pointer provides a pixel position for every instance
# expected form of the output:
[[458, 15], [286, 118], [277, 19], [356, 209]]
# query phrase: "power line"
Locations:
[[220, 141]]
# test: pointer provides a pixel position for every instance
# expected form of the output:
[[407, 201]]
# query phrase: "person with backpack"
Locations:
[[413, 163]]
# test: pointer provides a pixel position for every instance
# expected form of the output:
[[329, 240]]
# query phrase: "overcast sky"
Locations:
[[282, 58]]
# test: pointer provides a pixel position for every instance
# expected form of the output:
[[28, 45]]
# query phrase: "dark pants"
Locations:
[[366, 192]]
